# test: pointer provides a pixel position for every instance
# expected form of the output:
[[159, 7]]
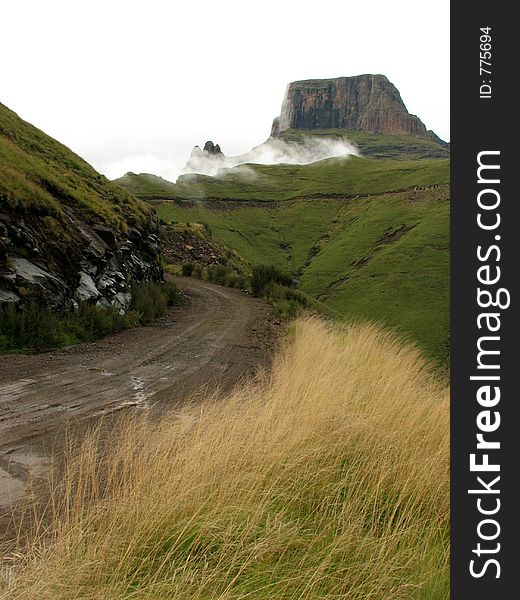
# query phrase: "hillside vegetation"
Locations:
[[326, 478], [372, 145], [341, 177], [40, 176], [37, 328]]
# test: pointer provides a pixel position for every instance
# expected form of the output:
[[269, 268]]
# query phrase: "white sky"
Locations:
[[134, 85]]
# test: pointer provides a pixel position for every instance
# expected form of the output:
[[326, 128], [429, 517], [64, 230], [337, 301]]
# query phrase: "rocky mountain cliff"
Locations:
[[66, 233], [368, 103]]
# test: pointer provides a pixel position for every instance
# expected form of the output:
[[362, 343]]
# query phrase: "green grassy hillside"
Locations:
[[342, 177], [40, 176], [372, 145], [146, 185], [367, 237]]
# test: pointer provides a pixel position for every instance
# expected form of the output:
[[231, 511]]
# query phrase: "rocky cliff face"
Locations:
[[212, 149], [66, 233], [86, 262], [363, 103]]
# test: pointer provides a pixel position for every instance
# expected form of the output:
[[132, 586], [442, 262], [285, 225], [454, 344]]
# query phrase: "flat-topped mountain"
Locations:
[[369, 103]]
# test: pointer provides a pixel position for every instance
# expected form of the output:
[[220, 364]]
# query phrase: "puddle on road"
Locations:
[[18, 468], [140, 397], [11, 489], [100, 370]]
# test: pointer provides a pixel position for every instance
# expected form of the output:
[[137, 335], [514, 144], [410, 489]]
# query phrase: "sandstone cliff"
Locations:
[[367, 103]]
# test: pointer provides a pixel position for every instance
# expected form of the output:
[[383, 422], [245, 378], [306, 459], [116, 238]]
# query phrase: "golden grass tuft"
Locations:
[[326, 478]]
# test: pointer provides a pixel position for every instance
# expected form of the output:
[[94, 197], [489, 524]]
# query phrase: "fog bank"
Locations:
[[274, 151]]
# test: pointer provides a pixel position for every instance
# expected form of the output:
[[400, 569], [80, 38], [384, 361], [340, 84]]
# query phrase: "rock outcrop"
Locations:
[[212, 149], [207, 161], [66, 233], [367, 103], [87, 262], [209, 151]]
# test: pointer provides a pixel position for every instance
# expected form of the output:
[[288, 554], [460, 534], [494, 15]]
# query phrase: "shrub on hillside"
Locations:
[[187, 269], [287, 301], [224, 275], [219, 274], [264, 274], [91, 322], [36, 328], [278, 288], [288, 308], [191, 269], [148, 301], [238, 282], [172, 293], [276, 291], [33, 328]]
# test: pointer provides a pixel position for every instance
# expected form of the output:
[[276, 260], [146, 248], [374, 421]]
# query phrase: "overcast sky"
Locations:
[[134, 85]]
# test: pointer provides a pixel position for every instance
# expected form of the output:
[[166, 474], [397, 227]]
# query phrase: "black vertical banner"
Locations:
[[485, 367]]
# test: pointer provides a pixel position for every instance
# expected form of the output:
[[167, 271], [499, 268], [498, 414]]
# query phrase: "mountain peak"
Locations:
[[369, 103], [213, 149]]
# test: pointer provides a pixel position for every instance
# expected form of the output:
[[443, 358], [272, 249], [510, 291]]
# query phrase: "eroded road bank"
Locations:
[[216, 337]]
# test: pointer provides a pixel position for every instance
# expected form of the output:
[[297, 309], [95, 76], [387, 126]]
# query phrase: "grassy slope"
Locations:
[[146, 184], [40, 176], [387, 258], [326, 479], [407, 147], [332, 177]]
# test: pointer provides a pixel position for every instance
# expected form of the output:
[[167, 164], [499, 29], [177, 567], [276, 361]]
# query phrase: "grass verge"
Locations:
[[35, 328]]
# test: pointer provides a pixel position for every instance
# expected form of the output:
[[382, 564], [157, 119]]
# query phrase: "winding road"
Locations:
[[216, 337]]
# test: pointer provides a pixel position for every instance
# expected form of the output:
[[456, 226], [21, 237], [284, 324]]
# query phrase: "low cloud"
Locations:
[[274, 151]]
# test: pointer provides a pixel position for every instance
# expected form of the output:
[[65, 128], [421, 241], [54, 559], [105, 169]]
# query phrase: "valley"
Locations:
[[373, 244]]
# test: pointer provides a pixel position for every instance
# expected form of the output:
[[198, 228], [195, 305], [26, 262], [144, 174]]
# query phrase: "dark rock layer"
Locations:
[[86, 262], [213, 149]]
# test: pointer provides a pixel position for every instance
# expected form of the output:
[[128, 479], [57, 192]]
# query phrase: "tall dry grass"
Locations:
[[327, 478]]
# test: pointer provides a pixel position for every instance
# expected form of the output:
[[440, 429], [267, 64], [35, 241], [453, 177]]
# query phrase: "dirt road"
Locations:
[[217, 336]]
